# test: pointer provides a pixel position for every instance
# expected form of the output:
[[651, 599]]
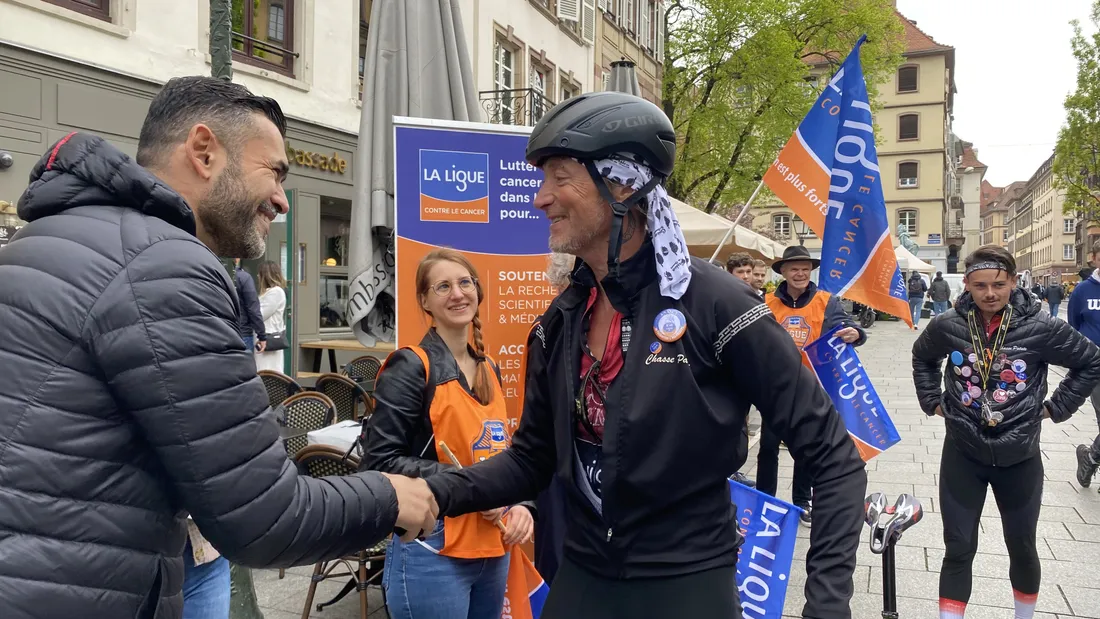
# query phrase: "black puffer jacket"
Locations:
[[1034, 340], [128, 400]]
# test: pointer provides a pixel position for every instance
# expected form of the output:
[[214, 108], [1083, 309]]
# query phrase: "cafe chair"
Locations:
[[352, 401], [363, 368], [279, 386], [308, 410], [362, 569]]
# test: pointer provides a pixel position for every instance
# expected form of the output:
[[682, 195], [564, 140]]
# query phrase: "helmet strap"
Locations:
[[618, 212]]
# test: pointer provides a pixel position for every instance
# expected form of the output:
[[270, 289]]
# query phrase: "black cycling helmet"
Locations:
[[597, 125]]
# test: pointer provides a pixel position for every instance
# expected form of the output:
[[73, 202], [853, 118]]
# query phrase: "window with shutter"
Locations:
[[659, 30], [569, 10], [907, 79], [645, 36], [908, 127], [588, 22], [606, 80]]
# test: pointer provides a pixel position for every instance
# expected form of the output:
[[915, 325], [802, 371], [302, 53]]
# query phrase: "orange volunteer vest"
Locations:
[[474, 432], [804, 323]]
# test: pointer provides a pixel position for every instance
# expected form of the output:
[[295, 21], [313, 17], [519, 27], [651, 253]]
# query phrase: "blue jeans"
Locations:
[[1053, 308], [915, 306], [421, 584], [249, 343], [940, 307], [205, 587]]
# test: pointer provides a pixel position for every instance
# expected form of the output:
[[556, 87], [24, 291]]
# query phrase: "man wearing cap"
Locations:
[[805, 312]]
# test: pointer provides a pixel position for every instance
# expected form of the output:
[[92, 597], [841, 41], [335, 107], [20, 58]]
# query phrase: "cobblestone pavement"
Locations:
[[1069, 526]]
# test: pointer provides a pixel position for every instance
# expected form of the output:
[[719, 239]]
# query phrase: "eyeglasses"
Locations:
[[465, 284]]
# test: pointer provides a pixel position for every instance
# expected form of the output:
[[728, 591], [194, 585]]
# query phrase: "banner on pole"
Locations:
[[842, 376], [828, 174], [526, 591], [467, 186], [770, 528]]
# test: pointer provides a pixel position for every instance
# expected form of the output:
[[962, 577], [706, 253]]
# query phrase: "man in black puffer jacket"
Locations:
[[129, 399], [998, 342]]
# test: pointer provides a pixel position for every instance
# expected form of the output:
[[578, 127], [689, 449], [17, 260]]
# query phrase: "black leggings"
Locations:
[[1018, 490], [579, 594]]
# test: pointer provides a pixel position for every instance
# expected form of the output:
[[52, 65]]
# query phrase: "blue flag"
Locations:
[[828, 174], [844, 379], [770, 528]]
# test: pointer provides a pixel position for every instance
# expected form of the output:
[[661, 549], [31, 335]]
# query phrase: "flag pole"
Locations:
[[744, 209]]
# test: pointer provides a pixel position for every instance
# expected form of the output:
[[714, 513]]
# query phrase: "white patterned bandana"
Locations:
[[669, 246]]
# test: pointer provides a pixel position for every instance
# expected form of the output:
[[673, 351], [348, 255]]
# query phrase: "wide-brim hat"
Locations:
[[795, 253]]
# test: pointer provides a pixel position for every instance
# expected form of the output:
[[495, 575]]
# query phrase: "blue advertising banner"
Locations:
[[467, 186], [770, 528], [844, 379]]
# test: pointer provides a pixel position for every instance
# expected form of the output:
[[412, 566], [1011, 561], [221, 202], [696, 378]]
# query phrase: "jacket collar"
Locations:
[[784, 295], [635, 275], [85, 170]]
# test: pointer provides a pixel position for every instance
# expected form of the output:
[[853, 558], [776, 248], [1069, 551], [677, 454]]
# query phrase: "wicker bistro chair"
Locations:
[[363, 368], [352, 401], [325, 461], [279, 386], [309, 410]]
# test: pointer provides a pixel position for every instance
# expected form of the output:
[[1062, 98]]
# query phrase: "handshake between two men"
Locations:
[[417, 510]]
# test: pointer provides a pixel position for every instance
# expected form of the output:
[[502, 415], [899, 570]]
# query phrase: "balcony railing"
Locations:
[[954, 231], [520, 106]]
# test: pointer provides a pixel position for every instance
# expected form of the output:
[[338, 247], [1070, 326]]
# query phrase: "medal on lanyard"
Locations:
[[984, 363]]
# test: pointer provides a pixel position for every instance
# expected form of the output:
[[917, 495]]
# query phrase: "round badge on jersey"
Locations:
[[1003, 357], [1019, 366], [655, 347], [670, 325], [974, 379], [957, 358], [966, 371], [1002, 385], [1020, 376], [975, 392], [1008, 376], [1021, 386], [998, 366], [965, 398], [957, 371], [1000, 396], [972, 357], [960, 386]]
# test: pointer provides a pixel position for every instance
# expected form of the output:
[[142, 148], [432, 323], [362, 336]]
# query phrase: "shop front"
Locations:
[[43, 98]]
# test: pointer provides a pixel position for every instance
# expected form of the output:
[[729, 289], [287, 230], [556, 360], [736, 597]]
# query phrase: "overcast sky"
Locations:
[[1013, 69]]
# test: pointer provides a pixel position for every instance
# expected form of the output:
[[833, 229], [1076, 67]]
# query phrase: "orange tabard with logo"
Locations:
[[474, 432], [803, 323]]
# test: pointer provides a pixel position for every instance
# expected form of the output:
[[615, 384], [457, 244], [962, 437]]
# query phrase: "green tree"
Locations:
[[1076, 157], [741, 74]]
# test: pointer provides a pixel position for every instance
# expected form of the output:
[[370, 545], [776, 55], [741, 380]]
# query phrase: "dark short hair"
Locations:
[[736, 261], [225, 107], [995, 254], [939, 273]]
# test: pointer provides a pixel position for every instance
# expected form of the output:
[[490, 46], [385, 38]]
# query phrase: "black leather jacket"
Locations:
[[398, 437], [1036, 339], [672, 434]]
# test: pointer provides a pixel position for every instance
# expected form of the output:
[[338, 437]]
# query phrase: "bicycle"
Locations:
[[887, 524]]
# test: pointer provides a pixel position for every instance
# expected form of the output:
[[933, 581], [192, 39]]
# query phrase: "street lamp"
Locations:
[[802, 230]]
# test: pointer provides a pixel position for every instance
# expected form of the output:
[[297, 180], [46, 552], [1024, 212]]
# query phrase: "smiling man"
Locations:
[[639, 377], [998, 344], [129, 398]]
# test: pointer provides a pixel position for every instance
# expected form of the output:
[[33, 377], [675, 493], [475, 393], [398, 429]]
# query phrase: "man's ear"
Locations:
[[203, 151]]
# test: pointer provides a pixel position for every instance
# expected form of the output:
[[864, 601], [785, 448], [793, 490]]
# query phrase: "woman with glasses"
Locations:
[[445, 391]]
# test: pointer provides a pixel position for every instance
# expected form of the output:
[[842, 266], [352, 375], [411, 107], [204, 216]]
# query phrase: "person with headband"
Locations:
[[639, 377], [998, 344]]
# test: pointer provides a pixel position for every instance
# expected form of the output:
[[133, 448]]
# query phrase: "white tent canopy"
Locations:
[[908, 263], [703, 232]]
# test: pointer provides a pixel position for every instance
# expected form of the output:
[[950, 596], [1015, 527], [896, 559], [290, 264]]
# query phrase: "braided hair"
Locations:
[[483, 386]]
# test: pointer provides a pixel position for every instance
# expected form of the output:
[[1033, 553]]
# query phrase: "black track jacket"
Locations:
[[672, 435]]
